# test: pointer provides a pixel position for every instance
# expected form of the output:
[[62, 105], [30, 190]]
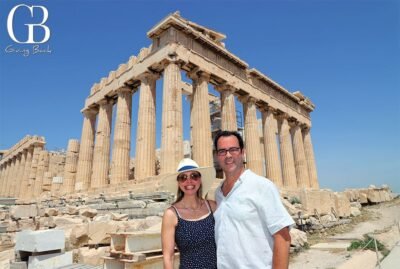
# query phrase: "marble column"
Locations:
[[287, 159], [42, 167], [101, 154], [201, 123], [27, 170], [32, 174], [85, 159], [70, 168], [270, 130], [20, 176], [145, 157], [6, 176], [171, 132], [3, 177], [228, 109], [122, 137], [252, 138], [2, 171], [309, 152], [300, 161], [11, 178]]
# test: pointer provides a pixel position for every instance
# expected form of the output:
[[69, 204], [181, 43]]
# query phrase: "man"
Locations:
[[251, 223]]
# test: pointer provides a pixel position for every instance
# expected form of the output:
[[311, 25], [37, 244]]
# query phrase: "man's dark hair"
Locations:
[[228, 133]]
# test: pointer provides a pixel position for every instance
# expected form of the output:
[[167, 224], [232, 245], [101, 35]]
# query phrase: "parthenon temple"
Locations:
[[281, 149]]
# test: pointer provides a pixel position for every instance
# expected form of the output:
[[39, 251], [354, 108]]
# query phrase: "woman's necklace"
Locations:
[[193, 209]]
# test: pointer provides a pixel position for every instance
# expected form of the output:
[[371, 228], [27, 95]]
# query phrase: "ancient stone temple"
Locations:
[[181, 45], [283, 151]]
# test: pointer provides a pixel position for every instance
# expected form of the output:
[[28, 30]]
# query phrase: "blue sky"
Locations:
[[343, 55]]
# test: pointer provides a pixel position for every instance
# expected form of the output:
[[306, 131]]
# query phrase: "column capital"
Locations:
[[89, 112], [306, 127], [104, 102], [293, 123], [282, 115], [267, 108], [226, 88], [148, 76], [172, 59], [248, 99], [198, 74], [123, 90]]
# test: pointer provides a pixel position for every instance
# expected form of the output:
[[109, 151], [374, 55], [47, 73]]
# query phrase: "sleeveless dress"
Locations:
[[196, 243]]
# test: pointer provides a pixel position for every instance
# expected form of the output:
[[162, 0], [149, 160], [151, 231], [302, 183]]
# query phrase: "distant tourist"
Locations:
[[189, 223], [251, 223]]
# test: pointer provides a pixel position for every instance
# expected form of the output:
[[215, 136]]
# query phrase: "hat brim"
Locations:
[[170, 183]]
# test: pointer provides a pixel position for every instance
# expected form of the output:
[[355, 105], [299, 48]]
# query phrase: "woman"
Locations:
[[189, 223]]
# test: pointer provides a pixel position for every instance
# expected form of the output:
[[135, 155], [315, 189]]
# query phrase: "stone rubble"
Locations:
[[87, 222]]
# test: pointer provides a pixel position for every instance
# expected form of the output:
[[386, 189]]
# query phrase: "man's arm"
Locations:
[[280, 258]]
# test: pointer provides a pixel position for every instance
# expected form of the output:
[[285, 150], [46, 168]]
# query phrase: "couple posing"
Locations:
[[247, 227]]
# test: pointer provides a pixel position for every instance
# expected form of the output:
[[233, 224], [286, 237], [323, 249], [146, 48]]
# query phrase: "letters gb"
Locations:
[[30, 25]]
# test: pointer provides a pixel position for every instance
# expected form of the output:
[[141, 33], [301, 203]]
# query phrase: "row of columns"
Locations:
[[93, 161], [18, 174], [31, 172], [290, 164]]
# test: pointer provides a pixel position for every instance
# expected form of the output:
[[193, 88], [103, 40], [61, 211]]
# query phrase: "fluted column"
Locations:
[[288, 170], [101, 154], [20, 175], [145, 157], [85, 159], [300, 161], [270, 129], [27, 170], [3, 178], [11, 178], [309, 152], [228, 109], [122, 137], [15, 181], [41, 169], [2, 172], [252, 139], [6, 178], [201, 123], [171, 133], [70, 168], [32, 174]]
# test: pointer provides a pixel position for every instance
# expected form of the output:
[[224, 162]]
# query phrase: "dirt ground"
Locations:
[[382, 220]]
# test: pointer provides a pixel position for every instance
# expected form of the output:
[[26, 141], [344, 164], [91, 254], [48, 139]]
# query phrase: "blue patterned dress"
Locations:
[[196, 243]]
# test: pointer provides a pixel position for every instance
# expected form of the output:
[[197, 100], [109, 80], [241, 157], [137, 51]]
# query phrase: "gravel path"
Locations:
[[385, 223]]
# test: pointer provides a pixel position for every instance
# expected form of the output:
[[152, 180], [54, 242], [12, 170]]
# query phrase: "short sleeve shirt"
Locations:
[[245, 221]]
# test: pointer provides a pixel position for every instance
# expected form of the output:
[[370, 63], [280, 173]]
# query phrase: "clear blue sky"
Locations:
[[344, 55]]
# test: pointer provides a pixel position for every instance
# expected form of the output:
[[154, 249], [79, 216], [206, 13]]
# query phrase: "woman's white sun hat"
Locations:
[[170, 182]]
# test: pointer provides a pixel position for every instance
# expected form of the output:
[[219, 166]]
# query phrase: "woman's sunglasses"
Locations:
[[192, 176]]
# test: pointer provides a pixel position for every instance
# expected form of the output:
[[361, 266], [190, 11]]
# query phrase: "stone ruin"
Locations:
[[99, 161], [97, 200]]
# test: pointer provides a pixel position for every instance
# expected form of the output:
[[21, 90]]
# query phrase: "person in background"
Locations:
[[251, 223], [189, 223]]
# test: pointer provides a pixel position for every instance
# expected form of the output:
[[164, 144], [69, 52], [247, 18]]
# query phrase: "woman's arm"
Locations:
[[169, 223]]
